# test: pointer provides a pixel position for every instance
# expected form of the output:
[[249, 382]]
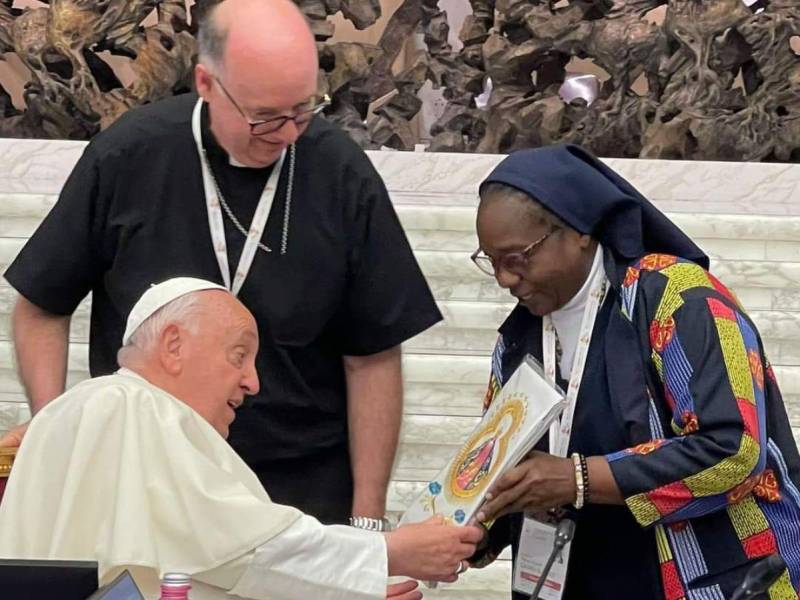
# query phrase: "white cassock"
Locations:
[[118, 471]]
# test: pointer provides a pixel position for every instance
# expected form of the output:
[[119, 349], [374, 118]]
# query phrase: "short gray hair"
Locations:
[[211, 38], [538, 213], [183, 311]]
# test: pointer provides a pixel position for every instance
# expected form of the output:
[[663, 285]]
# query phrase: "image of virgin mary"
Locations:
[[476, 465]]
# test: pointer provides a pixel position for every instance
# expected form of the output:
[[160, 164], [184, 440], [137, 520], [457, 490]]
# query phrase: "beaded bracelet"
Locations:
[[585, 472]]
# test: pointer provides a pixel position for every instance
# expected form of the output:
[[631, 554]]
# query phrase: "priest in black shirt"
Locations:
[[244, 186]]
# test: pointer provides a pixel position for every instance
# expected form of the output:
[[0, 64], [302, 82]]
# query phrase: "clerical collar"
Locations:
[[214, 149]]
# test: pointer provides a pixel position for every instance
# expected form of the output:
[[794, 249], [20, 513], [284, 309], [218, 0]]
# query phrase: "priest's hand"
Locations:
[[407, 590], [539, 483], [431, 550], [13, 437]]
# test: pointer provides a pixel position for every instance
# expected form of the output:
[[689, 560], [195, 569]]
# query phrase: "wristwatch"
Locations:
[[370, 524]]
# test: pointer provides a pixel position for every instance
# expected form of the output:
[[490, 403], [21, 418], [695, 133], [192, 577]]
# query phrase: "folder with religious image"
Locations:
[[517, 419]]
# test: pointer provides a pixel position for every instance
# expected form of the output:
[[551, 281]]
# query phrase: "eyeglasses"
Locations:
[[266, 126], [513, 261]]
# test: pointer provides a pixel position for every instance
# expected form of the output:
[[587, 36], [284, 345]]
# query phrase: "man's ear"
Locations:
[[203, 81], [171, 349]]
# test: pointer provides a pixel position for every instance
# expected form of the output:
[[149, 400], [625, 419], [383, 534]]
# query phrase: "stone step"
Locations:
[[432, 217], [717, 249], [450, 228], [22, 213], [481, 318], [457, 268], [418, 368], [444, 339]]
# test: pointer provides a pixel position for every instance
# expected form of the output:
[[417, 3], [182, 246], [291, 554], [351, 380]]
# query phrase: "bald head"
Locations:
[[260, 39], [258, 60]]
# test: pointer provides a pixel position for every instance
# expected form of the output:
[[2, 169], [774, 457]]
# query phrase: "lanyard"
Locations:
[[560, 430], [215, 213]]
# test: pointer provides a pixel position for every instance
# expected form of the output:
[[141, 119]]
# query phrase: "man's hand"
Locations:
[[541, 482], [432, 550], [407, 590], [13, 437]]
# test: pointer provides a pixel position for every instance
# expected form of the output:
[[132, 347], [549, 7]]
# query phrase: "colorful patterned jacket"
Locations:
[[711, 463]]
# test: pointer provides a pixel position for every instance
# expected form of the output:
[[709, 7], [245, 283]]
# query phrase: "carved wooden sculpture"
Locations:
[[722, 80], [72, 92]]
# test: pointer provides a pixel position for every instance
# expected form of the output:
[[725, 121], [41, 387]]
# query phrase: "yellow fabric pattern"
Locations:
[[736, 362], [782, 589], [658, 363], [727, 473], [662, 544], [643, 509], [681, 277], [747, 518]]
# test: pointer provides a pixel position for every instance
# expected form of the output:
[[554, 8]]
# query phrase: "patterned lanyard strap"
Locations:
[[214, 201], [561, 430]]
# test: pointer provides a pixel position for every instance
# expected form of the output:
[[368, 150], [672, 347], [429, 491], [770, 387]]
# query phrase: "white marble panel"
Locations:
[[780, 275], [755, 298], [783, 352], [421, 462], [12, 412], [37, 166], [448, 340], [788, 378], [42, 166], [9, 248], [436, 218], [784, 250], [424, 398], [436, 429], [737, 227], [17, 227], [432, 217], [462, 242], [687, 186], [33, 206], [733, 249], [786, 299], [9, 384], [437, 368]]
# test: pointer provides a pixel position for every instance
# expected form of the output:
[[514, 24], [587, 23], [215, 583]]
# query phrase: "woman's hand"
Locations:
[[539, 483], [431, 550]]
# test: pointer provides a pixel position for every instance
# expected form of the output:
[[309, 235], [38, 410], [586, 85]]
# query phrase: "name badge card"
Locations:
[[535, 546]]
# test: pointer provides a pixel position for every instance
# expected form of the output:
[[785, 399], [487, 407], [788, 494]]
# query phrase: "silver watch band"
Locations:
[[369, 523]]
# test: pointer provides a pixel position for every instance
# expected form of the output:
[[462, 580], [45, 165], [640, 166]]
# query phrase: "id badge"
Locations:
[[535, 547]]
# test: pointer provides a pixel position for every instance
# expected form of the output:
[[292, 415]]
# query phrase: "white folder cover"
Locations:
[[517, 419]]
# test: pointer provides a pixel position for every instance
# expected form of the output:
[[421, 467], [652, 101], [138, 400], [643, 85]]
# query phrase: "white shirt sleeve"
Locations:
[[309, 560]]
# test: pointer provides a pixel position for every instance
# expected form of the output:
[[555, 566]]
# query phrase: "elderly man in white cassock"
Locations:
[[132, 470]]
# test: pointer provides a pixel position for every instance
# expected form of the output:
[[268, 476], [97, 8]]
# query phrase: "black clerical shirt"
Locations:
[[133, 212]]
